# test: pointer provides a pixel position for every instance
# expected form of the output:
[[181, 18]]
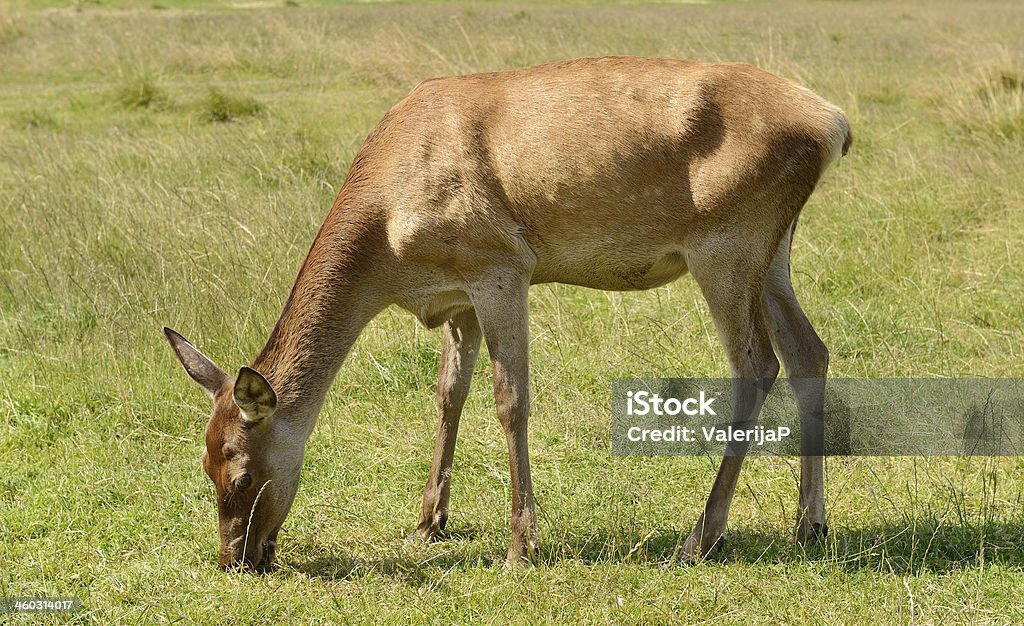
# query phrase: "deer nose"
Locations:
[[269, 550], [237, 555]]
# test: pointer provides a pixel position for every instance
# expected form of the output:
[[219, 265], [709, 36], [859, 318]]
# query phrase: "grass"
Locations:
[[221, 107], [141, 92], [124, 209]]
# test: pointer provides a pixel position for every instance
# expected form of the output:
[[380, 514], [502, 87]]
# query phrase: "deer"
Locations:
[[613, 173]]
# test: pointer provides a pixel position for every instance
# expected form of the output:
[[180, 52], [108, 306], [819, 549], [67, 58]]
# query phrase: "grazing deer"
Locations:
[[612, 173]]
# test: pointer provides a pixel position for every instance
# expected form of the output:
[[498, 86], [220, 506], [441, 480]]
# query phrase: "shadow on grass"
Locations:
[[454, 548], [339, 567], [912, 546]]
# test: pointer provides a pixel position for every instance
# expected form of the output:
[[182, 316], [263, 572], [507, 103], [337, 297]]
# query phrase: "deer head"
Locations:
[[251, 456]]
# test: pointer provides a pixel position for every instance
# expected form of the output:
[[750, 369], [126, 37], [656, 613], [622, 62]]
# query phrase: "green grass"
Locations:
[[143, 92], [222, 107], [125, 208]]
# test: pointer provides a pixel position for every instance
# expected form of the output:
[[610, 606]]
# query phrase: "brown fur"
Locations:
[[614, 173]]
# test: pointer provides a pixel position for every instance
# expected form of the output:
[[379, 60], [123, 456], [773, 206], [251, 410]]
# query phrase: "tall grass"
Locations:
[[124, 208]]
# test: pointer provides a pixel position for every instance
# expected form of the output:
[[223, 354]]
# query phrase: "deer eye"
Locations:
[[243, 482]]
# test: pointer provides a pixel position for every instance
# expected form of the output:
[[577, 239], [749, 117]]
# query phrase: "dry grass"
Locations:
[[121, 215]]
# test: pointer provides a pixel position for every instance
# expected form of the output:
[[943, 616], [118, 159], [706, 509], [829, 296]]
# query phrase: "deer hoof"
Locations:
[[808, 534], [695, 550], [430, 529]]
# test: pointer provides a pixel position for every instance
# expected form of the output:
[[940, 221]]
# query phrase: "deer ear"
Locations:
[[254, 395], [198, 365]]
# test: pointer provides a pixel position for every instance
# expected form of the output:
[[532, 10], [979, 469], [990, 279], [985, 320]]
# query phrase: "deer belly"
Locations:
[[432, 307], [613, 272]]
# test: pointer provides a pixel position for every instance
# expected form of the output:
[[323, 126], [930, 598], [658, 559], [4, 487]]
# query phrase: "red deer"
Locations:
[[613, 173]]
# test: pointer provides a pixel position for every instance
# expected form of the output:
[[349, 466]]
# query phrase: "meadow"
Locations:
[[169, 162]]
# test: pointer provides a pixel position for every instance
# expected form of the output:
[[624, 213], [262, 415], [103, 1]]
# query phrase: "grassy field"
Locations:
[[162, 163]]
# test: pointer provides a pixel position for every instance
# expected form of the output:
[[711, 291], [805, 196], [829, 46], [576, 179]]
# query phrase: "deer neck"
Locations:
[[334, 297]]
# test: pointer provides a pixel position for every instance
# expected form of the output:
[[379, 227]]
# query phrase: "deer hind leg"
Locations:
[[732, 283], [458, 358], [501, 305], [805, 358]]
